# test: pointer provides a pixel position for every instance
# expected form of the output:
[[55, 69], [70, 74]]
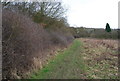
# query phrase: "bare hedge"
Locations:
[[23, 41]]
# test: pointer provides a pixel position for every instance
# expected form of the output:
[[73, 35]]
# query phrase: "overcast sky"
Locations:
[[92, 13]]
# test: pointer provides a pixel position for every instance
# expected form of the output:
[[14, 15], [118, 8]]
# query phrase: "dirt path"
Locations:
[[85, 59], [66, 65]]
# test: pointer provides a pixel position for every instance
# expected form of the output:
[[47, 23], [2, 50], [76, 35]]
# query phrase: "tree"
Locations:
[[49, 13], [108, 29]]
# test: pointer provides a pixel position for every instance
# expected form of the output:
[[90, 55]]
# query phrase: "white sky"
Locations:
[[92, 13]]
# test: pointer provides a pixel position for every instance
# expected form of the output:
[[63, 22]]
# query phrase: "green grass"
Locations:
[[76, 62], [66, 65]]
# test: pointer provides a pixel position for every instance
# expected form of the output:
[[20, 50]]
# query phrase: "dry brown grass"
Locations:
[[108, 43], [101, 56]]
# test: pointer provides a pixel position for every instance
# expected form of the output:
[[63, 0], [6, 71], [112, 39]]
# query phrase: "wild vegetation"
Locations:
[[27, 44], [84, 59], [94, 33], [101, 58], [37, 42]]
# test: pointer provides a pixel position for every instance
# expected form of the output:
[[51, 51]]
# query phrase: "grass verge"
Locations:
[[66, 65]]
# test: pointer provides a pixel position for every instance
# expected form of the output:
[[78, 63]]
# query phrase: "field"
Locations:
[[101, 57], [85, 59], [38, 42]]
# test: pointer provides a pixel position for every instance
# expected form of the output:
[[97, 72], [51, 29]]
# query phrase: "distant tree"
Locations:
[[108, 29]]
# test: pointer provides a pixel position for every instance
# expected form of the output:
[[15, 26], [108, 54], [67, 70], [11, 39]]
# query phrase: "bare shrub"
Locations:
[[22, 40], [60, 38], [26, 44]]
